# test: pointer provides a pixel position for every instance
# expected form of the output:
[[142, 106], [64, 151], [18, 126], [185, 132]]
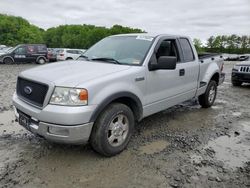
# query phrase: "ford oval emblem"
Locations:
[[27, 90]]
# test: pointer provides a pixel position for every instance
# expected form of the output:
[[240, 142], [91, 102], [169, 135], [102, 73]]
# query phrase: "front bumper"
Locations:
[[57, 123], [240, 77]]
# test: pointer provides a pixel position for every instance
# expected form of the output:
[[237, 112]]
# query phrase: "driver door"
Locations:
[[20, 54], [164, 87]]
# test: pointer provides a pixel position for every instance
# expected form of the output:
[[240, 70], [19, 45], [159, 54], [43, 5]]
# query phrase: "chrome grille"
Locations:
[[244, 69]]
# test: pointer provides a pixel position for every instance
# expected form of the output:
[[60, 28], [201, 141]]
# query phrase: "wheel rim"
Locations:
[[41, 61], [7, 61], [118, 130], [212, 93]]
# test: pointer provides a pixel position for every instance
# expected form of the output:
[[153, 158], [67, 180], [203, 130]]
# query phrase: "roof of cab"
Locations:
[[151, 35]]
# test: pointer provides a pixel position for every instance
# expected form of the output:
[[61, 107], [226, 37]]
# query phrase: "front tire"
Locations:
[[207, 99], [8, 61], [112, 130]]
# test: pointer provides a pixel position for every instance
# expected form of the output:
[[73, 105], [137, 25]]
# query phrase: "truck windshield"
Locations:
[[129, 50]]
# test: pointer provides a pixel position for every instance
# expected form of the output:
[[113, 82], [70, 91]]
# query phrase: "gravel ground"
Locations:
[[184, 146]]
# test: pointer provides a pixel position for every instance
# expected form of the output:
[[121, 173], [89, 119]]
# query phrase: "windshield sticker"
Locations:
[[141, 37], [136, 62]]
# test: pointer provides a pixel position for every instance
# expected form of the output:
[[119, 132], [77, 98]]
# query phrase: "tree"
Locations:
[[198, 45], [16, 30]]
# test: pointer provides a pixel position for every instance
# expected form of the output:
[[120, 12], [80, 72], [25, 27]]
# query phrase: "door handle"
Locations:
[[182, 72]]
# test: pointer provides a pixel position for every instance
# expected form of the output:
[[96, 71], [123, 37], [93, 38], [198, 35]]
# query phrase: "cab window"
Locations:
[[188, 54], [20, 51], [168, 48]]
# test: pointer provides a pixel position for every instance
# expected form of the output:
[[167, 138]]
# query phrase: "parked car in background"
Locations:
[[4, 50], [235, 57], [119, 81], [52, 54], [243, 57], [2, 47], [241, 73], [69, 54], [26, 53]]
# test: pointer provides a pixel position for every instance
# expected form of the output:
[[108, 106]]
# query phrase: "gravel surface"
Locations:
[[184, 146]]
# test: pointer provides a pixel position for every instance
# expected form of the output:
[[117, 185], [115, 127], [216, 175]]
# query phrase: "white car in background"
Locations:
[[69, 54], [4, 50]]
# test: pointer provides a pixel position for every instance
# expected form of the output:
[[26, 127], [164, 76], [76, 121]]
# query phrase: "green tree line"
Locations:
[[225, 44], [16, 30], [81, 36]]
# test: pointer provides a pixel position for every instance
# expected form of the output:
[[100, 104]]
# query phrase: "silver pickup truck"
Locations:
[[116, 83]]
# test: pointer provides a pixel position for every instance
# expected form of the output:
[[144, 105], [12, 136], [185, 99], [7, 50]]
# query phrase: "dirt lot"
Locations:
[[184, 146]]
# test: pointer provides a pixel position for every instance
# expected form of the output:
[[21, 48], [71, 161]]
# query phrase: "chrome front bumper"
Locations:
[[57, 123], [77, 134]]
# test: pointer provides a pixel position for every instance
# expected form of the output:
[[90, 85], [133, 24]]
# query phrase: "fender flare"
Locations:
[[212, 75], [41, 56], [8, 57], [114, 97]]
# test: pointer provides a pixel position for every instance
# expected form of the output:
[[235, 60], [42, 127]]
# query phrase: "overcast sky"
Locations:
[[196, 18]]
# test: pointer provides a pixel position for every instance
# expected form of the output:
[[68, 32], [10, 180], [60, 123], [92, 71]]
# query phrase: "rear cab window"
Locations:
[[188, 54]]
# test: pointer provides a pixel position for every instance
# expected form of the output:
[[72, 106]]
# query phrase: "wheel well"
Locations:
[[40, 57], [130, 100], [68, 58], [137, 111], [216, 78], [8, 58]]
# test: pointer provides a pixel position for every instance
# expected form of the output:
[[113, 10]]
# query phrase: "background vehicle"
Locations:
[[241, 73], [243, 57], [4, 50], [69, 54], [52, 54], [120, 80], [25, 53]]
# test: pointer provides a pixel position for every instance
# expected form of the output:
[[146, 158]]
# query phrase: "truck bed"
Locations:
[[203, 56]]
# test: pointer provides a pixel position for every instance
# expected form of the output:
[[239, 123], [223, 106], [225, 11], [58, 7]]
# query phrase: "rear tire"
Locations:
[[8, 61], [41, 61], [69, 58], [112, 130], [207, 99], [236, 83]]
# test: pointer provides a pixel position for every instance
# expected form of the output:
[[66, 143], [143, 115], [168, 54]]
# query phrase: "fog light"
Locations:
[[58, 131]]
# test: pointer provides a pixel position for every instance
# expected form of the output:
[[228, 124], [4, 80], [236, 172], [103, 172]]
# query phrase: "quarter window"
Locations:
[[187, 50]]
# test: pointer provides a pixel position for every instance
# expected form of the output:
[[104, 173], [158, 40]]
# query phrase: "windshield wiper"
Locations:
[[107, 59]]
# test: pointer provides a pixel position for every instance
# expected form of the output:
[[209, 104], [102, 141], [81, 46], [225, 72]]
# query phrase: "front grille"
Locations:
[[31, 91], [244, 69]]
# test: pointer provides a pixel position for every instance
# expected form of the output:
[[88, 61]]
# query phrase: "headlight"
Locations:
[[69, 96], [236, 67]]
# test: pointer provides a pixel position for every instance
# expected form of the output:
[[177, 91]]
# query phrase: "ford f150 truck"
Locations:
[[116, 83]]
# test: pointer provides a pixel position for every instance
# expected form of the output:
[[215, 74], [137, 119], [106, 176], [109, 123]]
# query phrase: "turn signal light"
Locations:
[[83, 95]]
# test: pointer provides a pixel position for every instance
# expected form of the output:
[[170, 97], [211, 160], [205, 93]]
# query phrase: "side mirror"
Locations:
[[164, 62]]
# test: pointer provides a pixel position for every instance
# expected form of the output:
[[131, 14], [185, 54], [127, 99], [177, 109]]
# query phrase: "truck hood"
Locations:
[[246, 63], [71, 73]]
